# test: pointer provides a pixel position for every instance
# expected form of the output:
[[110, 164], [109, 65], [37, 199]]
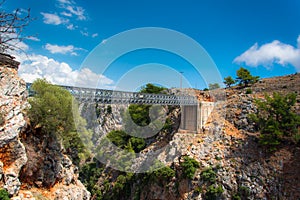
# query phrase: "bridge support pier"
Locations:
[[194, 117]]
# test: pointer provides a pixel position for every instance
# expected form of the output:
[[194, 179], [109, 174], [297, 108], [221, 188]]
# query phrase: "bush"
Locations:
[[248, 91], [165, 173], [89, 175], [275, 118], [189, 166], [109, 109], [209, 175], [213, 86], [213, 192], [2, 119], [4, 195]]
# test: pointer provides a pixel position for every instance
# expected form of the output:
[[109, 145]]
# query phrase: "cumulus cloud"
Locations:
[[53, 19], [78, 11], [33, 38], [268, 54], [60, 73], [69, 49]]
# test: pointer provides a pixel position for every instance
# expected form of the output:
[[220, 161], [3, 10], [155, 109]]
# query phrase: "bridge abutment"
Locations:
[[194, 117]]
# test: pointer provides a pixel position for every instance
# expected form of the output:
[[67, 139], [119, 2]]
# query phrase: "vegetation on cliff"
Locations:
[[276, 119], [54, 111]]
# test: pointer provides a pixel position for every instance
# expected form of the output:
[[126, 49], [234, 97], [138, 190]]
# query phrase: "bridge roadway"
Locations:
[[121, 97]]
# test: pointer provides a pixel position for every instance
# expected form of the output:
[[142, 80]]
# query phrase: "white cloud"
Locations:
[[78, 11], [271, 53], [52, 19], [69, 49], [67, 14], [94, 35], [71, 26], [64, 1], [33, 38], [60, 73], [84, 33]]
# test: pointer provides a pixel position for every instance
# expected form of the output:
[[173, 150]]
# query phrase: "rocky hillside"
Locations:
[[232, 164], [32, 165], [225, 161]]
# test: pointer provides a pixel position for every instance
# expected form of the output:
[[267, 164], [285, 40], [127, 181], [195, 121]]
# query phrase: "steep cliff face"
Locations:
[[32, 165], [12, 103]]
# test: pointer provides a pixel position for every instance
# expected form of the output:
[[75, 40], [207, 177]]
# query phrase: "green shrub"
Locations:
[[4, 195], [2, 119], [236, 197], [209, 175], [213, 192], [244, 191], [276, 118], [109, 109], [164, 173], [248, 91], [89, 175], [189, 166], [213, 86], [125, 141]]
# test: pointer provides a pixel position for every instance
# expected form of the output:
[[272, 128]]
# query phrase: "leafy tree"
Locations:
[[275, 118], [89, 175], [11, 28], [245, 78], [152, 89], [125, 141], [213, 86], [189, 166], [228, 81], [55, 112], [51, 108]]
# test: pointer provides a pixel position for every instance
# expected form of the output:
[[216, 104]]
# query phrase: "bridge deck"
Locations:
[[121, 97]]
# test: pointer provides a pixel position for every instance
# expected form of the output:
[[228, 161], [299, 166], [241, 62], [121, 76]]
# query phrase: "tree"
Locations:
[[275, 118], [54, 111], [228, 81], [245, 78], [213, 86], [11, 28], [152, 89]]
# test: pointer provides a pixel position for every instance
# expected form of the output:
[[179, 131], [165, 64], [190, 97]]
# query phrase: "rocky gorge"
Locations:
[[232, 164]]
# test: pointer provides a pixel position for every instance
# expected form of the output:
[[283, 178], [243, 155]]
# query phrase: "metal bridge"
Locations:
[[120, 97], [194, 114]]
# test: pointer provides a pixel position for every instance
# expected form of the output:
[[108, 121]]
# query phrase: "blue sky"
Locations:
[[262, 36]]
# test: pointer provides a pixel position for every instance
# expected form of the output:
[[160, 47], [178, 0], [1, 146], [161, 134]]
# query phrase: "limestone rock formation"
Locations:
[[28, 159], [12, 103]]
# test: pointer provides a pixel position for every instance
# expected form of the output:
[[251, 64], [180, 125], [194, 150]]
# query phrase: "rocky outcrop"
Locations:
[[28, 158], [12, 103]]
